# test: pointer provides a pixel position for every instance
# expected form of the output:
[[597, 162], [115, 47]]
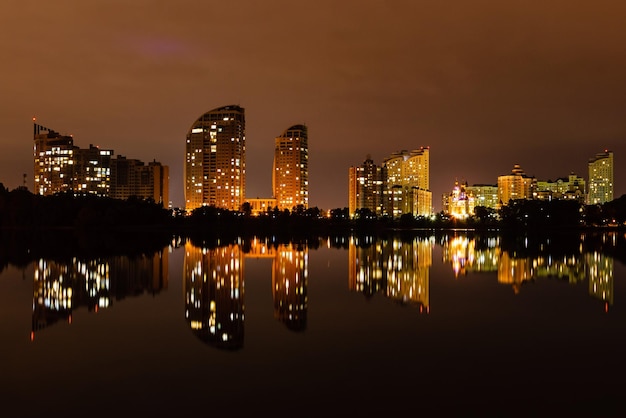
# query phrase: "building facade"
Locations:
[[408, 179], [600, 178], [563, 188], [60, 166], [53, 161], [516, 185], [460, 202], [92, 170], [215, 170], [134, 178], [366, 187], [260, 205], [485, 195], [290, 174]]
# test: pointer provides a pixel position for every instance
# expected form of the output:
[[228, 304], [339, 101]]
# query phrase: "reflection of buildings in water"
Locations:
[[289, 285], [465, 255], [568, 268], [459, 251], [261, 249], [398, 269], [514, 271], [134, 276], [214, 290], [52, 298], [365, 266], [95, 276], [600, 273], [60, 287]]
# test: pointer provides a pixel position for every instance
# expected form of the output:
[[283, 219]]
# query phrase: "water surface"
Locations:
[[356, 326]]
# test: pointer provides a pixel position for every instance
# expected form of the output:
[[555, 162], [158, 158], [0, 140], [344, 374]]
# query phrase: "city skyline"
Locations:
[[485, 87]]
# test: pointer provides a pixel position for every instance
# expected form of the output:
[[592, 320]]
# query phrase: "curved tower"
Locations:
[[215, 169], [290, 175]]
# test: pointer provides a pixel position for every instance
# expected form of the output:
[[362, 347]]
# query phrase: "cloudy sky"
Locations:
[[484, 84]]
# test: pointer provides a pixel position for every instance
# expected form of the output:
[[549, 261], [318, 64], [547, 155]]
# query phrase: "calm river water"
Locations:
[[365, 326]]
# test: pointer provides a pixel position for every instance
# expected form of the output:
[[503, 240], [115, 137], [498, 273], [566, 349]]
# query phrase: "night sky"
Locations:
[[484, 84]]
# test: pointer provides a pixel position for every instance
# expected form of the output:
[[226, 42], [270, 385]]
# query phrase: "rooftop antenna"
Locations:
[[26, 187]]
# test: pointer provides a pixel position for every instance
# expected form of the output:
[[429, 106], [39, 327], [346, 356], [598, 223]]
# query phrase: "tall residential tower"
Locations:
[[215, 170], [290, 176], [600, 178], [408, 182], [366, 188]]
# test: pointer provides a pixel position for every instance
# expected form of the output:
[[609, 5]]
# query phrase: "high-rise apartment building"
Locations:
[[290, 174], [516, 185], [215, 171], [53, 161], [134, 178], [408, 183], [92, 170], [600, 178], [366, 187], [60, 166]]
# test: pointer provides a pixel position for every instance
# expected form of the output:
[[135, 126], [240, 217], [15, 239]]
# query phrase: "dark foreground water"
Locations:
[[345, 327]]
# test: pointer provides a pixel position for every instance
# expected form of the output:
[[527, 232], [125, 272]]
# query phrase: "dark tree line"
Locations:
[[20, 208]]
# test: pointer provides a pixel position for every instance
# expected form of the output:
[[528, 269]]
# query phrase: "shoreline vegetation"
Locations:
[[32, 225], [21, 210]]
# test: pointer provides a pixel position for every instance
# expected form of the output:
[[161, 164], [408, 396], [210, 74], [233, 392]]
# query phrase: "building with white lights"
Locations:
[[563, 188], [60, 166], [485, 195], [600, 178]]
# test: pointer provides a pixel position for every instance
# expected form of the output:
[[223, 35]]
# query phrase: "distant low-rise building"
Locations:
[[485, 195], [459, 203], [261, 205], [563, 188]]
